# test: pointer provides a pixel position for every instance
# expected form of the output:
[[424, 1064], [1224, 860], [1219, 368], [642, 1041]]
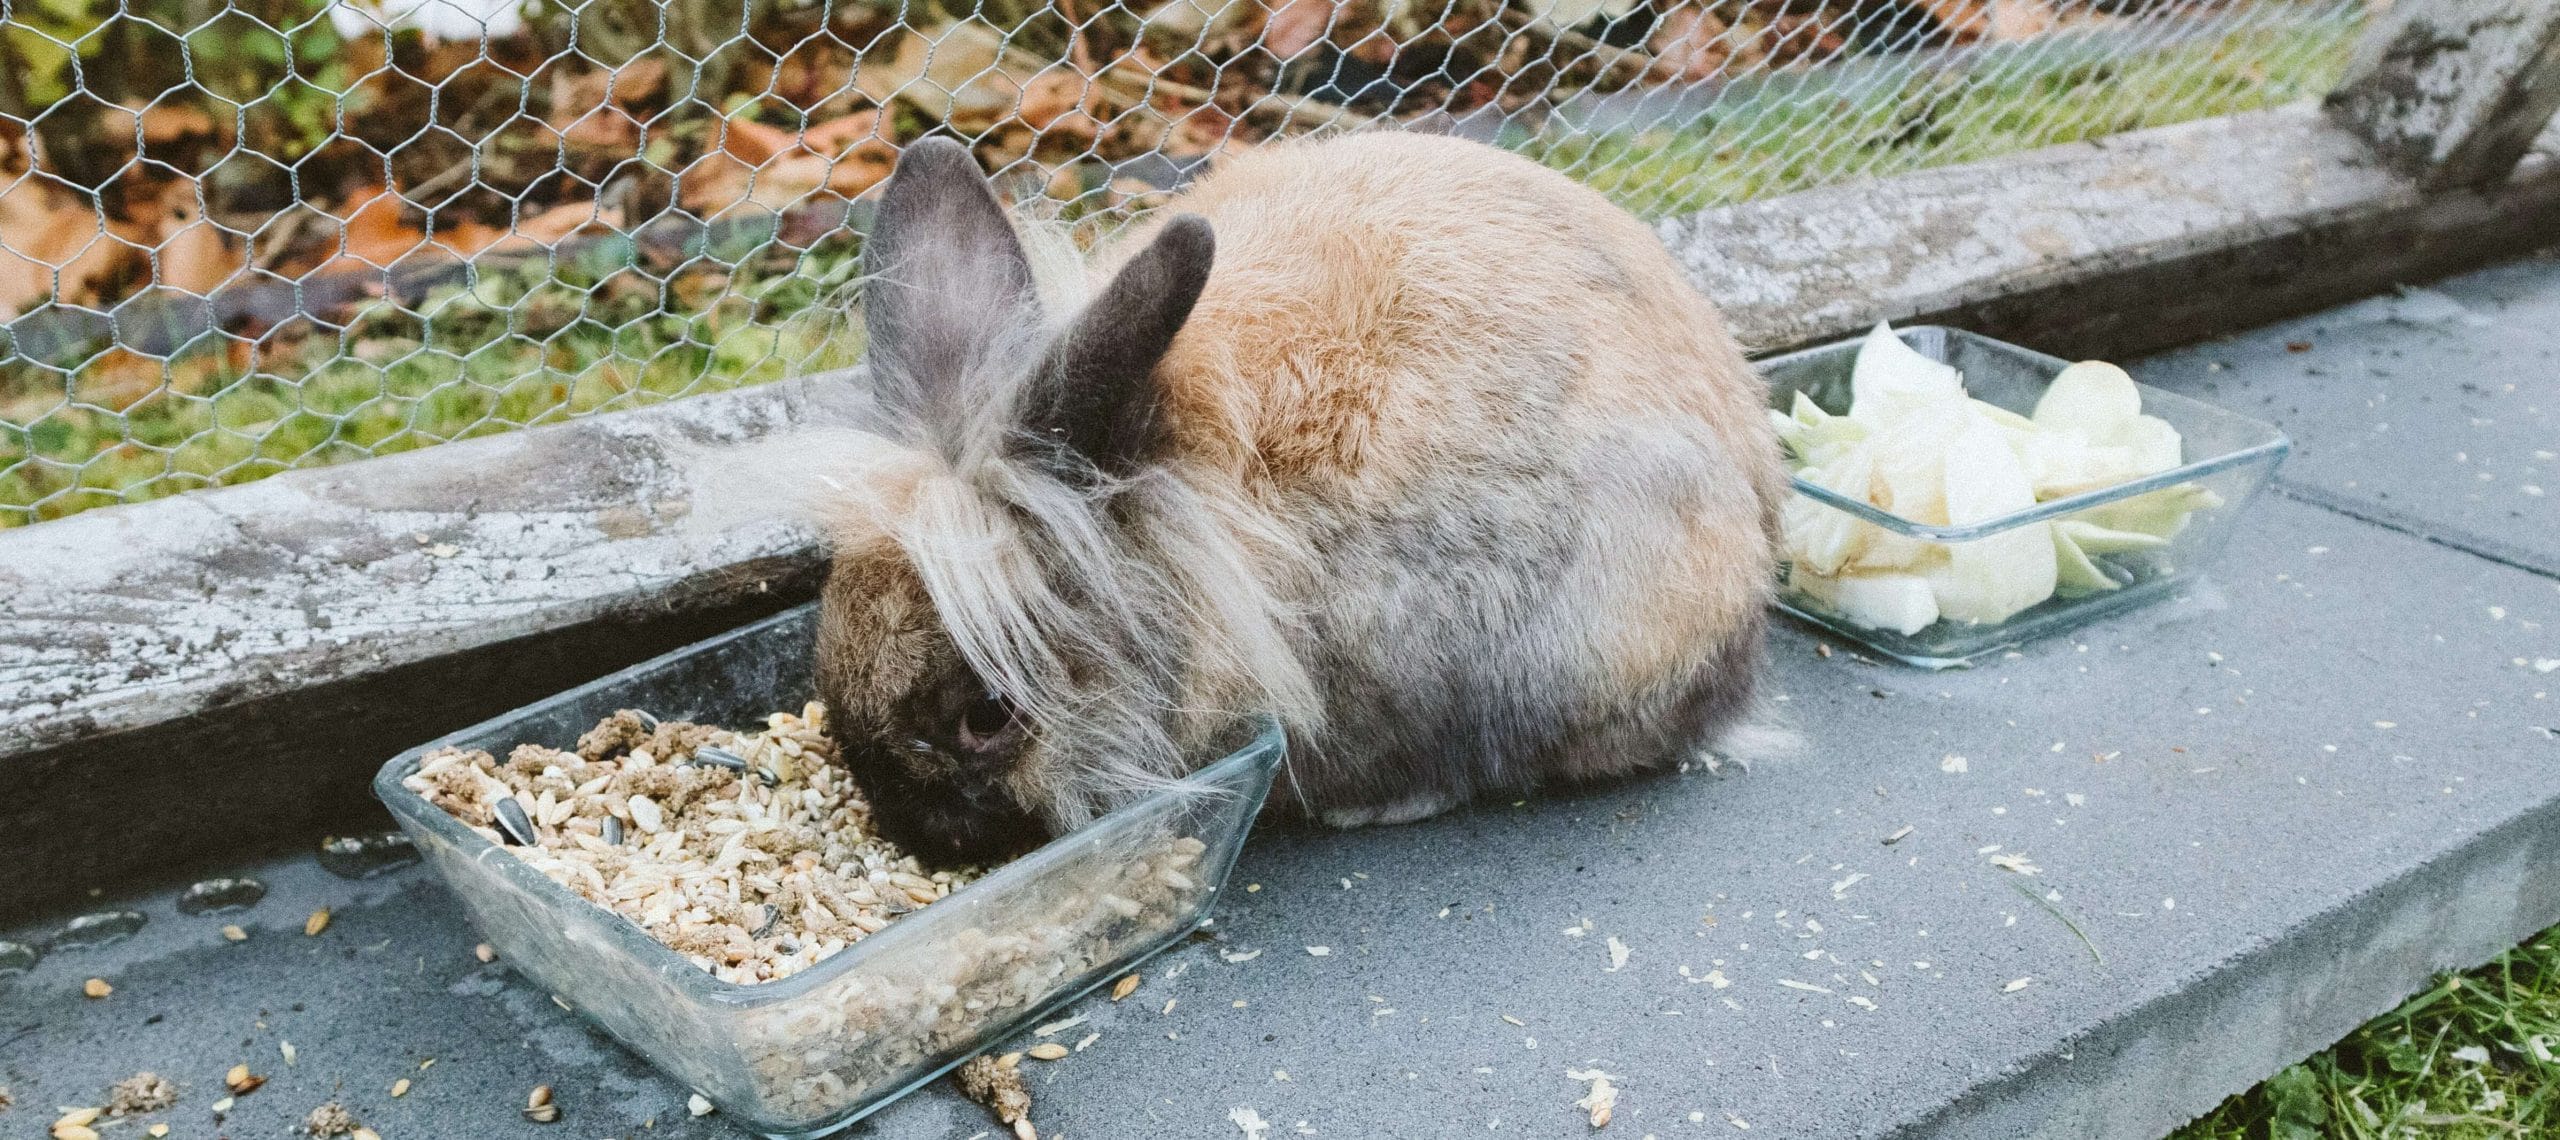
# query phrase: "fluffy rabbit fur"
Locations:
[[1420, 445]]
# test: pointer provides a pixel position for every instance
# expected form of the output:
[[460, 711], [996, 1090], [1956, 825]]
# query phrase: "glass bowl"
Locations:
[[2229, 457], [811, 1053]]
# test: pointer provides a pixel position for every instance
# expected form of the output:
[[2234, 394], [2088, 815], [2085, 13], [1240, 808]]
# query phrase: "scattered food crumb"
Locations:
[[1953, 764], [140, 1093], [2016, 985], [1125, 987], [990, 1082], [234, 934], [1233, 956], [1899, 834], [1602, 1099], [364, 1133], [1319, 951], [156, 1131], [1057, 1027], [241, 1081], [400, 1088], [699, 1105], [1251, 1122], [74, 1125], [331, 1119], [539, 1107], [290, 1053], [2016, 863], [1617, 954], [96, 988], [485, 952], [319, 921]]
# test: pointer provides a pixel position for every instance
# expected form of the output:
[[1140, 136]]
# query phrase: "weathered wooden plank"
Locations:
[[2452, 92], [209, 672], [2107, 248]]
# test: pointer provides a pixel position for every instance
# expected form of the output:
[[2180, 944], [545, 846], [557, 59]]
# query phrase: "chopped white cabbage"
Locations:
[[1903, 603], [1912, 443], [1988, 579], [1886, 366]]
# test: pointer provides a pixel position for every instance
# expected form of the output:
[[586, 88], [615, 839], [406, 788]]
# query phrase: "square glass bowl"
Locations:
[[2227, 454], [809, 1054]]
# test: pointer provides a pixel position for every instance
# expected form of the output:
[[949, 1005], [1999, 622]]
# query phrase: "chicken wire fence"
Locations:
[[239, 236]]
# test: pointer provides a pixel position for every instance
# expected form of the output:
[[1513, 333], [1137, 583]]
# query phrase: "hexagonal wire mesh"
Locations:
[[238, 236]]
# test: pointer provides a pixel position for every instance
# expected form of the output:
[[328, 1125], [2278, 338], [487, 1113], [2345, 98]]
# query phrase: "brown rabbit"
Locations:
[[1420, 445]]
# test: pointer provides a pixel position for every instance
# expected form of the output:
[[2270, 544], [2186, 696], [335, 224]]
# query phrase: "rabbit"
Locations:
[[1426, 449]]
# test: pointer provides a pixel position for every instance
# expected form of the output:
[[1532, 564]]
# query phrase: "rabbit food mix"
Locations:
[[753, 856]]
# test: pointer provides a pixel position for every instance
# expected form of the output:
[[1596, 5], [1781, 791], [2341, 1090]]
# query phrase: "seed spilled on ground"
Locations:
[[331, 1119], [140, 1093], [539, 1107]]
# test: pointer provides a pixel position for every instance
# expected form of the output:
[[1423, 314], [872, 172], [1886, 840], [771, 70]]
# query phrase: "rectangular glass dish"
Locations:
[[809, 1054], [2228, 455]]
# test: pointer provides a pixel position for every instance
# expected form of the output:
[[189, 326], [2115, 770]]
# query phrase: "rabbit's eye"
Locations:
[[986, 723]]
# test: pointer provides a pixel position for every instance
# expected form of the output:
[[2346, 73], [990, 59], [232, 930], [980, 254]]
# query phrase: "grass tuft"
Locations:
[[2476, 1055]]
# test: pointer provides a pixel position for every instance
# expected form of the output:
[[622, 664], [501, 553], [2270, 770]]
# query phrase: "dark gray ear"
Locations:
[[944, 275], [1095, 402]]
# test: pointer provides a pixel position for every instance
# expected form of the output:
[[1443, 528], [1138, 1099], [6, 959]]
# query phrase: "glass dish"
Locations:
[[2228, 454], [811, 1053]]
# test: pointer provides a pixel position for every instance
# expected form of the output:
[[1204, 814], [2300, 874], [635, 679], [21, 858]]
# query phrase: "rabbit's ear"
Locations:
[[945, 276], [1095, 401]]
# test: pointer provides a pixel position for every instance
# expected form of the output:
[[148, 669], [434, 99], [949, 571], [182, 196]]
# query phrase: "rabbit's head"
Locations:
[[997, 647]]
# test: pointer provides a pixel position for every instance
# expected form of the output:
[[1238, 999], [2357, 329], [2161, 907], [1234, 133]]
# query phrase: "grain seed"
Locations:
[[234, 934], [319, 921], [96, 988], [1125, 987], [485, 952], [538, 1106], [400, 1088], [1048, 1051]]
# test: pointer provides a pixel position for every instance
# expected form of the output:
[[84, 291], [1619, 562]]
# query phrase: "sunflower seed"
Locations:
[[514, 823], [646, 721], [713, 756], [613, 830], [771, 913]]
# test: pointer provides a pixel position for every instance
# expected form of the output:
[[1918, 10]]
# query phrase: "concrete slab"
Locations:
[[2236, 825], [2437, 411]]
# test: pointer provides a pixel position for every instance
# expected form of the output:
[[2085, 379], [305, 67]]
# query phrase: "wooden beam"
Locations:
[[2452, 92]]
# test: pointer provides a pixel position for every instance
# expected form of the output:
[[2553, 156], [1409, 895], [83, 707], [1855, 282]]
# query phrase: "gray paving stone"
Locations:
[[2131, 767], [2437, 411]]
